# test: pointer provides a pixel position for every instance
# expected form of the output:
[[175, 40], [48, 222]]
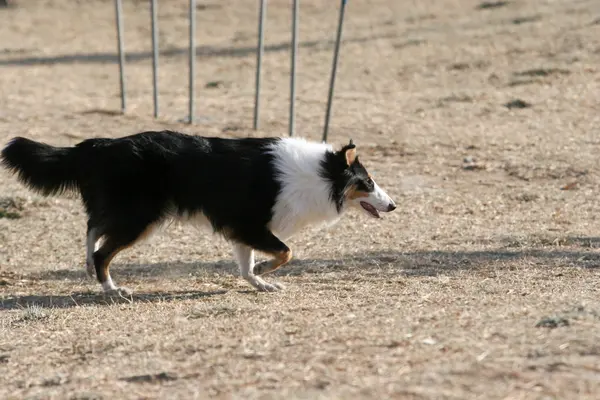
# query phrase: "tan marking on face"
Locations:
[[357, 194], [352, 193]]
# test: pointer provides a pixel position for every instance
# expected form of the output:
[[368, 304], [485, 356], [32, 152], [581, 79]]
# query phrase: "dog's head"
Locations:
[[353, 186]]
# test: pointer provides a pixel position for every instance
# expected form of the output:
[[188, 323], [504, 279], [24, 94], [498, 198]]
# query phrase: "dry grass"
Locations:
[[482, 284]]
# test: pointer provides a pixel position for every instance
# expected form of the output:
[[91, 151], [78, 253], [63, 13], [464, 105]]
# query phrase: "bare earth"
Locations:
[[484, 283]]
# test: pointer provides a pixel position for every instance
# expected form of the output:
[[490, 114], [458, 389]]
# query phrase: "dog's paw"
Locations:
[[263, 286], [119, 292], [269, 287]]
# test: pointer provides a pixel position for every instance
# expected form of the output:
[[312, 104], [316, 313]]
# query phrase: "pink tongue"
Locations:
[[369, 208]]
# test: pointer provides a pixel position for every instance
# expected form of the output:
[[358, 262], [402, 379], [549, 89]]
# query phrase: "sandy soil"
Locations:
[[482, 284]]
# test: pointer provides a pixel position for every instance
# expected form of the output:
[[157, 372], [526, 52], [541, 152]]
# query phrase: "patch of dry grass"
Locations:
[[482, 284]]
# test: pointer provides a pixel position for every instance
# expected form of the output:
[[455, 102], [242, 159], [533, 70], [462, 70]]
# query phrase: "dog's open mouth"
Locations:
[[370, 209]]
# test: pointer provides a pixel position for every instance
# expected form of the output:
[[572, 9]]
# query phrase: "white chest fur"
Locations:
[[304, 199]]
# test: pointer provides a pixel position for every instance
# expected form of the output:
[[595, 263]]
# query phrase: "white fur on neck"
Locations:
[[305, 196]]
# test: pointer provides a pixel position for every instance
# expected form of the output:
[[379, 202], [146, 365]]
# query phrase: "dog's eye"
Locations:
[[370, 182]]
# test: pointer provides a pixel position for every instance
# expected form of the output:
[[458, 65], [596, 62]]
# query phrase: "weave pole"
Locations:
[[259, 55], [192, 59], [334, 69], [153, 11], [292, 127], [119, 13]]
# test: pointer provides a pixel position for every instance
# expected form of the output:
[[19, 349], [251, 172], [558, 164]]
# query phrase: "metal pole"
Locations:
[[259, 55], [119, 12], [292, 124], [153, 11], [192, 58], [334, 70]]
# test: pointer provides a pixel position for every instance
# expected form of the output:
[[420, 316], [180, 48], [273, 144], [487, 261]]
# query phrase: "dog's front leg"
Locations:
[[245, 258], [279, 259]]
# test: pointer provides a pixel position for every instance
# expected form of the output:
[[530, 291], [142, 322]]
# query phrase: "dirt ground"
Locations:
[[481, 121]]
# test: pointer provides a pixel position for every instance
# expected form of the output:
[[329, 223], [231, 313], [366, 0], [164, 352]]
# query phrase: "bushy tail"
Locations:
[[46, 169]]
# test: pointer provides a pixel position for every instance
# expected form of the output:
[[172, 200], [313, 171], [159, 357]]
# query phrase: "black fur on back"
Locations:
[[132, 182]]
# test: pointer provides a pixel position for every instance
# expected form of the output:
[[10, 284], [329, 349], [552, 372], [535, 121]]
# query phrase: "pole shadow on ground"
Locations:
[[201, 51]]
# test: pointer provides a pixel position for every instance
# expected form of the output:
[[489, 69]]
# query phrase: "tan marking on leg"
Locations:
[[108, 286], [105, 267], [279, 259]]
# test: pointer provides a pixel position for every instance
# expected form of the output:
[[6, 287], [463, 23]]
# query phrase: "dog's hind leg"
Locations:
[[92, 238], [102, 258], [115, 242], [245, 258]]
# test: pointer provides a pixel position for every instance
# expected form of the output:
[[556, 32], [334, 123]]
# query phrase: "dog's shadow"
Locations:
[[124, 273], [373, 265], [96, 298]]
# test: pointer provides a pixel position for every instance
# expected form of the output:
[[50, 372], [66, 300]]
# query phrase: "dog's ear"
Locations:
[[349, 153]]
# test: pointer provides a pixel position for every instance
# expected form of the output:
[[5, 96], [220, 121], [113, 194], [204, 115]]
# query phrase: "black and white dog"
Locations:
[[256, 192]]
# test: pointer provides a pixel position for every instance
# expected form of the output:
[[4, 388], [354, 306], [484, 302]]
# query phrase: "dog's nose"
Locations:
[[391, 206]]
